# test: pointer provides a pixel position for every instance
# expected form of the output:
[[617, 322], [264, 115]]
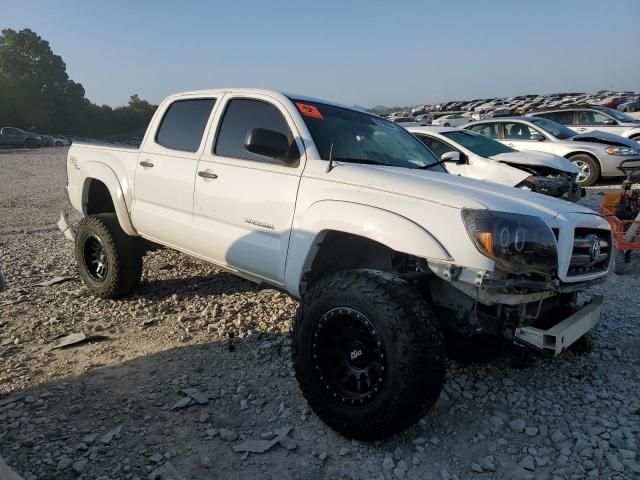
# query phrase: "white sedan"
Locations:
[[482, 158], [451, 120]]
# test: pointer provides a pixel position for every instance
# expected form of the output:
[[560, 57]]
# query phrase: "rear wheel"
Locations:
[[588, 169], [109, 260], [368, 353]]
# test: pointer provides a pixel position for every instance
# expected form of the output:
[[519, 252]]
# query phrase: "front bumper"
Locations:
[[560, 336], [611, 163]]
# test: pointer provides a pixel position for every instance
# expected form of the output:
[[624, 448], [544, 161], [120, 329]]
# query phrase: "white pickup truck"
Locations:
[[389, 254]]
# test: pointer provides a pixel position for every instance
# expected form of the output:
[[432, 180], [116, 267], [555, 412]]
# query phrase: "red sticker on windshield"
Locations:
[[309, 110]]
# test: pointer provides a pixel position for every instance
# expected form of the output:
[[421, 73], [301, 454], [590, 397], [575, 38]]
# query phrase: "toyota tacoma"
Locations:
[[389, 255]]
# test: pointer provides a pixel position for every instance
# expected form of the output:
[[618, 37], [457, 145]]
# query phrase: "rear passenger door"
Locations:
[[590, 120], [244, 202], [166, 171]]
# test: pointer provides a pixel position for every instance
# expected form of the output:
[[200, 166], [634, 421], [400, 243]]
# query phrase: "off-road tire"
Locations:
[[411, 339], [123, 255], [620, 264], [594, 168], [480, 348], [585, 344]]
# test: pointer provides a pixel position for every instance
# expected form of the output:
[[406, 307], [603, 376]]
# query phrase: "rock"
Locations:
[[344, 451], [496, 422], [166, 472], [388, 463], [531, 431], [155, 458], [476, 468], [557, 436], [517, 425], [80, 465], [107, 437], [323, 456], [228, 435], [528, 463], [488, 463], [64, 463], [614, 463]]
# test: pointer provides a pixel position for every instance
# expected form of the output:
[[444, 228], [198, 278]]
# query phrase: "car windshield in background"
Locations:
[[359, 137], [555, 129], [618, 115], [478, 144]]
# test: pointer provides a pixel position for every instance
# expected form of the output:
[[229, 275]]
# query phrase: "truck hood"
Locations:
[[605, 138], [533, 158], [454, 191]]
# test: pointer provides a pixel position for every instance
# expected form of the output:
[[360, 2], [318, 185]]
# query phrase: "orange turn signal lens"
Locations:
[[486, 240]]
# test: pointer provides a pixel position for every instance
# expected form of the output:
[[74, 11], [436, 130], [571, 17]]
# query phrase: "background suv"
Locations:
[[588, 119]]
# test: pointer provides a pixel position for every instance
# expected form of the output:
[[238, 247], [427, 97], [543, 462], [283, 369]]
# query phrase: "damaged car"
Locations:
[[473, 155], [596, 154]]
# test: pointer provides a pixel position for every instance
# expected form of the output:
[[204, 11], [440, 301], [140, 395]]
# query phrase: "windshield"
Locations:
[[363, 138], [555, 129], [478, 144], [618, 115]]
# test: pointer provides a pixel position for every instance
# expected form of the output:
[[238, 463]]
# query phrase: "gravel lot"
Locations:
[[104, 409]]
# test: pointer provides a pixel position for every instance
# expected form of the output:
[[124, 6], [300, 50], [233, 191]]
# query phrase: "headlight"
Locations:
[[529, 184], [517, 243], [622, 151]]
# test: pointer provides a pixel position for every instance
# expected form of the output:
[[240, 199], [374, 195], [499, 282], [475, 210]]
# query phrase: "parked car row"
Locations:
[[16, 137], [627, 101]]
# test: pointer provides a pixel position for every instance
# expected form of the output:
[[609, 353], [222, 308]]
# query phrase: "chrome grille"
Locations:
[[591, 251]]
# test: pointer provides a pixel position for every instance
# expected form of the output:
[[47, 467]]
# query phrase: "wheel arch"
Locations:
[[359, 236], [98, 180]]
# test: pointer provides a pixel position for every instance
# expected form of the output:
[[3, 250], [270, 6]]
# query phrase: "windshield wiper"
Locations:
[[365, 161], [424, 167]]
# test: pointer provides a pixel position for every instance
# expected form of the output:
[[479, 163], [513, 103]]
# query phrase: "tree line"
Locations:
[[36, 94]]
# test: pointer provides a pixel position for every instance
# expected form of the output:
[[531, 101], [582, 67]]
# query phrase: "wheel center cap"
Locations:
[[356, 354]]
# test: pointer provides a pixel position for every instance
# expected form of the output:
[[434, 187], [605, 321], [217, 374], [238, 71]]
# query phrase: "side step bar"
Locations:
[[559, 337]]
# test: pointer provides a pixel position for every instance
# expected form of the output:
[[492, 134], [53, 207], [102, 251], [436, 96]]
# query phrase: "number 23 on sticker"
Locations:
[[309, 110]]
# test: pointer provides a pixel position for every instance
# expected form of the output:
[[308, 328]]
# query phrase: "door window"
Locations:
[[589, 117], [242, 116], [487, 129], [183, 124], [518, 131], [565, 118], [436, 146]]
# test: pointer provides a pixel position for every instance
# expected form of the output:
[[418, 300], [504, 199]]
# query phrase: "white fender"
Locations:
[[385, 227], [102, 172]]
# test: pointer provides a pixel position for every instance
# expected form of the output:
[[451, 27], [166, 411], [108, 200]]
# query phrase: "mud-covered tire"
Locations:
[[472, 349], [409, 346], [121, 254], [589, 169], [584, 345], [620, 263]]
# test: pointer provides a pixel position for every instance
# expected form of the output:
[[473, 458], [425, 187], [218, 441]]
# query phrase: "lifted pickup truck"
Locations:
[[359, 220]]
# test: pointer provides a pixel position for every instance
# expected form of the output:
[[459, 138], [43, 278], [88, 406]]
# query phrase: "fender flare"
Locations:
[[103, 173], [383, 226]]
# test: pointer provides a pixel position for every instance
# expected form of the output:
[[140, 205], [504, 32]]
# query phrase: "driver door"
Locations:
[[523, 137]]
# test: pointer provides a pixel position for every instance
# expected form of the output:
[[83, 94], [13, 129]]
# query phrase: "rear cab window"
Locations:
[[183, 124]]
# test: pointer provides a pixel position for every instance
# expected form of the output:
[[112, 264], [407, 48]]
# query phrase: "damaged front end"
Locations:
[[552, 182], [525, 298]]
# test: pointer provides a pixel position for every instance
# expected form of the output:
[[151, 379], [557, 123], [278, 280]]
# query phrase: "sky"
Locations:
[[354, 52]]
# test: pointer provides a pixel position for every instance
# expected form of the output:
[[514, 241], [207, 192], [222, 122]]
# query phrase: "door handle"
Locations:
[[511, 145], [144, 163], [581, 129], [205, 174]]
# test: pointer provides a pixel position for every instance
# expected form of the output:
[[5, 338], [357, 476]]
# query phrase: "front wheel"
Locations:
[[588, 169], [109, 260], [368, 353]]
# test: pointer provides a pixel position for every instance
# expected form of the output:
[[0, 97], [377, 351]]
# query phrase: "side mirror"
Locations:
[[453, 157], [610, 121], [268, 143], [536, 137]]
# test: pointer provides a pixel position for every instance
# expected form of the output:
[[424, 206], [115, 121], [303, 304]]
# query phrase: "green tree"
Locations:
[[37, 94]]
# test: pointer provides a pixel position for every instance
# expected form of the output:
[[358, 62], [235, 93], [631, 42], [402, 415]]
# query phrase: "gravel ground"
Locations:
[[115, 407]]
